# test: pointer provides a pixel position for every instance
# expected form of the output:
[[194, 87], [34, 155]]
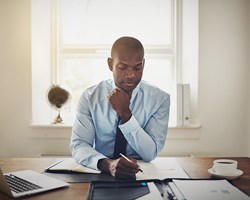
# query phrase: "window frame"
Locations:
[[63, 51], [55, 60]]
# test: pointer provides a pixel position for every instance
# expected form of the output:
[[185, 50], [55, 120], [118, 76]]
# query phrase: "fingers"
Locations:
[[113, 92], [122, 169], [131, 163], [128, 167]]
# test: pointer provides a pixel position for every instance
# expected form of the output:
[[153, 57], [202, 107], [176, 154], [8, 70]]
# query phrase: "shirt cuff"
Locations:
[[130, 126], [94, 161]]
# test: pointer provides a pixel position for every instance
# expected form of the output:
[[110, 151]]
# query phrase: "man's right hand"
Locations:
[[119, 168], [120, 100]]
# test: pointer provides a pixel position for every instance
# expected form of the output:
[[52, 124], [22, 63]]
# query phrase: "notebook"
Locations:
[[70, 165], [27, 182]]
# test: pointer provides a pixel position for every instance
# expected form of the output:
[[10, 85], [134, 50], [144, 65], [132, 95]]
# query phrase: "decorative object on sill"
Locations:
[[57, 97]]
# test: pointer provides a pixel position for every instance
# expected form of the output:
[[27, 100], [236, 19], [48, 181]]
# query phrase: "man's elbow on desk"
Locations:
[[148, 157]]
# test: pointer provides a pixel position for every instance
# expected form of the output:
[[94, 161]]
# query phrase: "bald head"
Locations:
[[129, 43], [127, 63]]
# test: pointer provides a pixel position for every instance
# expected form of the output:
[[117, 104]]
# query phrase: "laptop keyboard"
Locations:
[[18, 185]]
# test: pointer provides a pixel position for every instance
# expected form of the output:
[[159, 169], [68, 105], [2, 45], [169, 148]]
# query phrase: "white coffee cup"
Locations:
[[225, 166]]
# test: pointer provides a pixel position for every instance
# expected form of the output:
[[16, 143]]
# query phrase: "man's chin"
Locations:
[[128, 89]]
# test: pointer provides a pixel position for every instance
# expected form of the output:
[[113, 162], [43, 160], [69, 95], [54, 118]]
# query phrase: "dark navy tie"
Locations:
[[120, 142]]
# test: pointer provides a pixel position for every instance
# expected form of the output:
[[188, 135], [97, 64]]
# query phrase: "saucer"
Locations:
[[228, 177]]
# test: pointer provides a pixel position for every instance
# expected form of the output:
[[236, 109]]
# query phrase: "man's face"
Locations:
[[127, 67]]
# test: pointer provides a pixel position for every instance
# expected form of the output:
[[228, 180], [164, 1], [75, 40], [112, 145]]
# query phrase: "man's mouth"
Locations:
[[129, 84]]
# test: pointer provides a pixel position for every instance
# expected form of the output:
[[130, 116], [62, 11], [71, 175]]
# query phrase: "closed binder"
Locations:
[[122, 190]]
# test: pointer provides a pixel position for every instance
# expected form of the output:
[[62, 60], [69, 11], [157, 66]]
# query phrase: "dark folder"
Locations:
[[103, 190]]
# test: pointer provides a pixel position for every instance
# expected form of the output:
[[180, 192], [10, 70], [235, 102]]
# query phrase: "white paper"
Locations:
[[161, 168], [209, 190]]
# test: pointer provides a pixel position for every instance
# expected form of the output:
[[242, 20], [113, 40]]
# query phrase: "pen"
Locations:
[[126, 158], [170, 194], [176, 191]]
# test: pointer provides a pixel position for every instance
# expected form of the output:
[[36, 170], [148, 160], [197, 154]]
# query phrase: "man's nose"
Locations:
[[130, 73]]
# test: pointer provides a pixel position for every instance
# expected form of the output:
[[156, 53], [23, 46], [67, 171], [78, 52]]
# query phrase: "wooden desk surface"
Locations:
[[198, 168], [195, 167]]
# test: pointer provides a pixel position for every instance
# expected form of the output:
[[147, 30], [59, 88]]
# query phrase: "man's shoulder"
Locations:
[[98, 92], [152, 89], [101, 86]]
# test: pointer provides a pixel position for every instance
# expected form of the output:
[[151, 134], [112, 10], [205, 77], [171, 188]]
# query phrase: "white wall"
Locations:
[[223, 82], [224, 36], [224, 51], [249, 85]]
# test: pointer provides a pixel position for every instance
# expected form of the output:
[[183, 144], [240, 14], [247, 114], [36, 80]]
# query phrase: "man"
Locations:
[[140, 110]]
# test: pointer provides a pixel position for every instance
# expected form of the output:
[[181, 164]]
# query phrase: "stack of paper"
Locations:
[[209, 190], [161, 168]]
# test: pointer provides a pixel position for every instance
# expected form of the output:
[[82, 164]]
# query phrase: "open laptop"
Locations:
[[27, 182]]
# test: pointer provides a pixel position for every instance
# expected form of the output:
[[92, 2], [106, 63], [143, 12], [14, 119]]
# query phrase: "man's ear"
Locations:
[[110, 63], [143, 62]]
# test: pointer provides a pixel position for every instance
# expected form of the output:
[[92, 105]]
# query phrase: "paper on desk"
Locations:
[[161, 168], [209, 189]]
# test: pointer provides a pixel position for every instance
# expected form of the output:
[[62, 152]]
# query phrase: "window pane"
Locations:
[[160, 72], [78, 73], [93, 23], [86, 22]]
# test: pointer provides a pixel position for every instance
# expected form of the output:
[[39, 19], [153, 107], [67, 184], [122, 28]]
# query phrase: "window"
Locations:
[[71, 41]]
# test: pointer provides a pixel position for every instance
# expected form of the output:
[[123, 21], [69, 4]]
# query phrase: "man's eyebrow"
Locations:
[[124, 63], [120, 62], [141, 63]]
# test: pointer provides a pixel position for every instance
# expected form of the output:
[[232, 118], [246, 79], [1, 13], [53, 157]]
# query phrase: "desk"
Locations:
[[195, 167]]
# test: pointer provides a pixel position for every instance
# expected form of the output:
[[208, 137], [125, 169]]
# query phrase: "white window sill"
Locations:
[[193, 125], [53, 126], [63, 131]]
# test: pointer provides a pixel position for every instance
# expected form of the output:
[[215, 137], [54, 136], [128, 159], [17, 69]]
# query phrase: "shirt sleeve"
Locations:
[[82, 137], [149, 140]]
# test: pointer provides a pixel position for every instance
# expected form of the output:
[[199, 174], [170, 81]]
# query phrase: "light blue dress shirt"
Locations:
[[94, 129]]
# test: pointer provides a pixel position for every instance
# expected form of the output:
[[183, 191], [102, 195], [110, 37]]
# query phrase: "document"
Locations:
[[209, 189], [161, 168], [70, 165]]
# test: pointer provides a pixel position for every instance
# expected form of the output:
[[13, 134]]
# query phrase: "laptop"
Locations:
[[27, 182]]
